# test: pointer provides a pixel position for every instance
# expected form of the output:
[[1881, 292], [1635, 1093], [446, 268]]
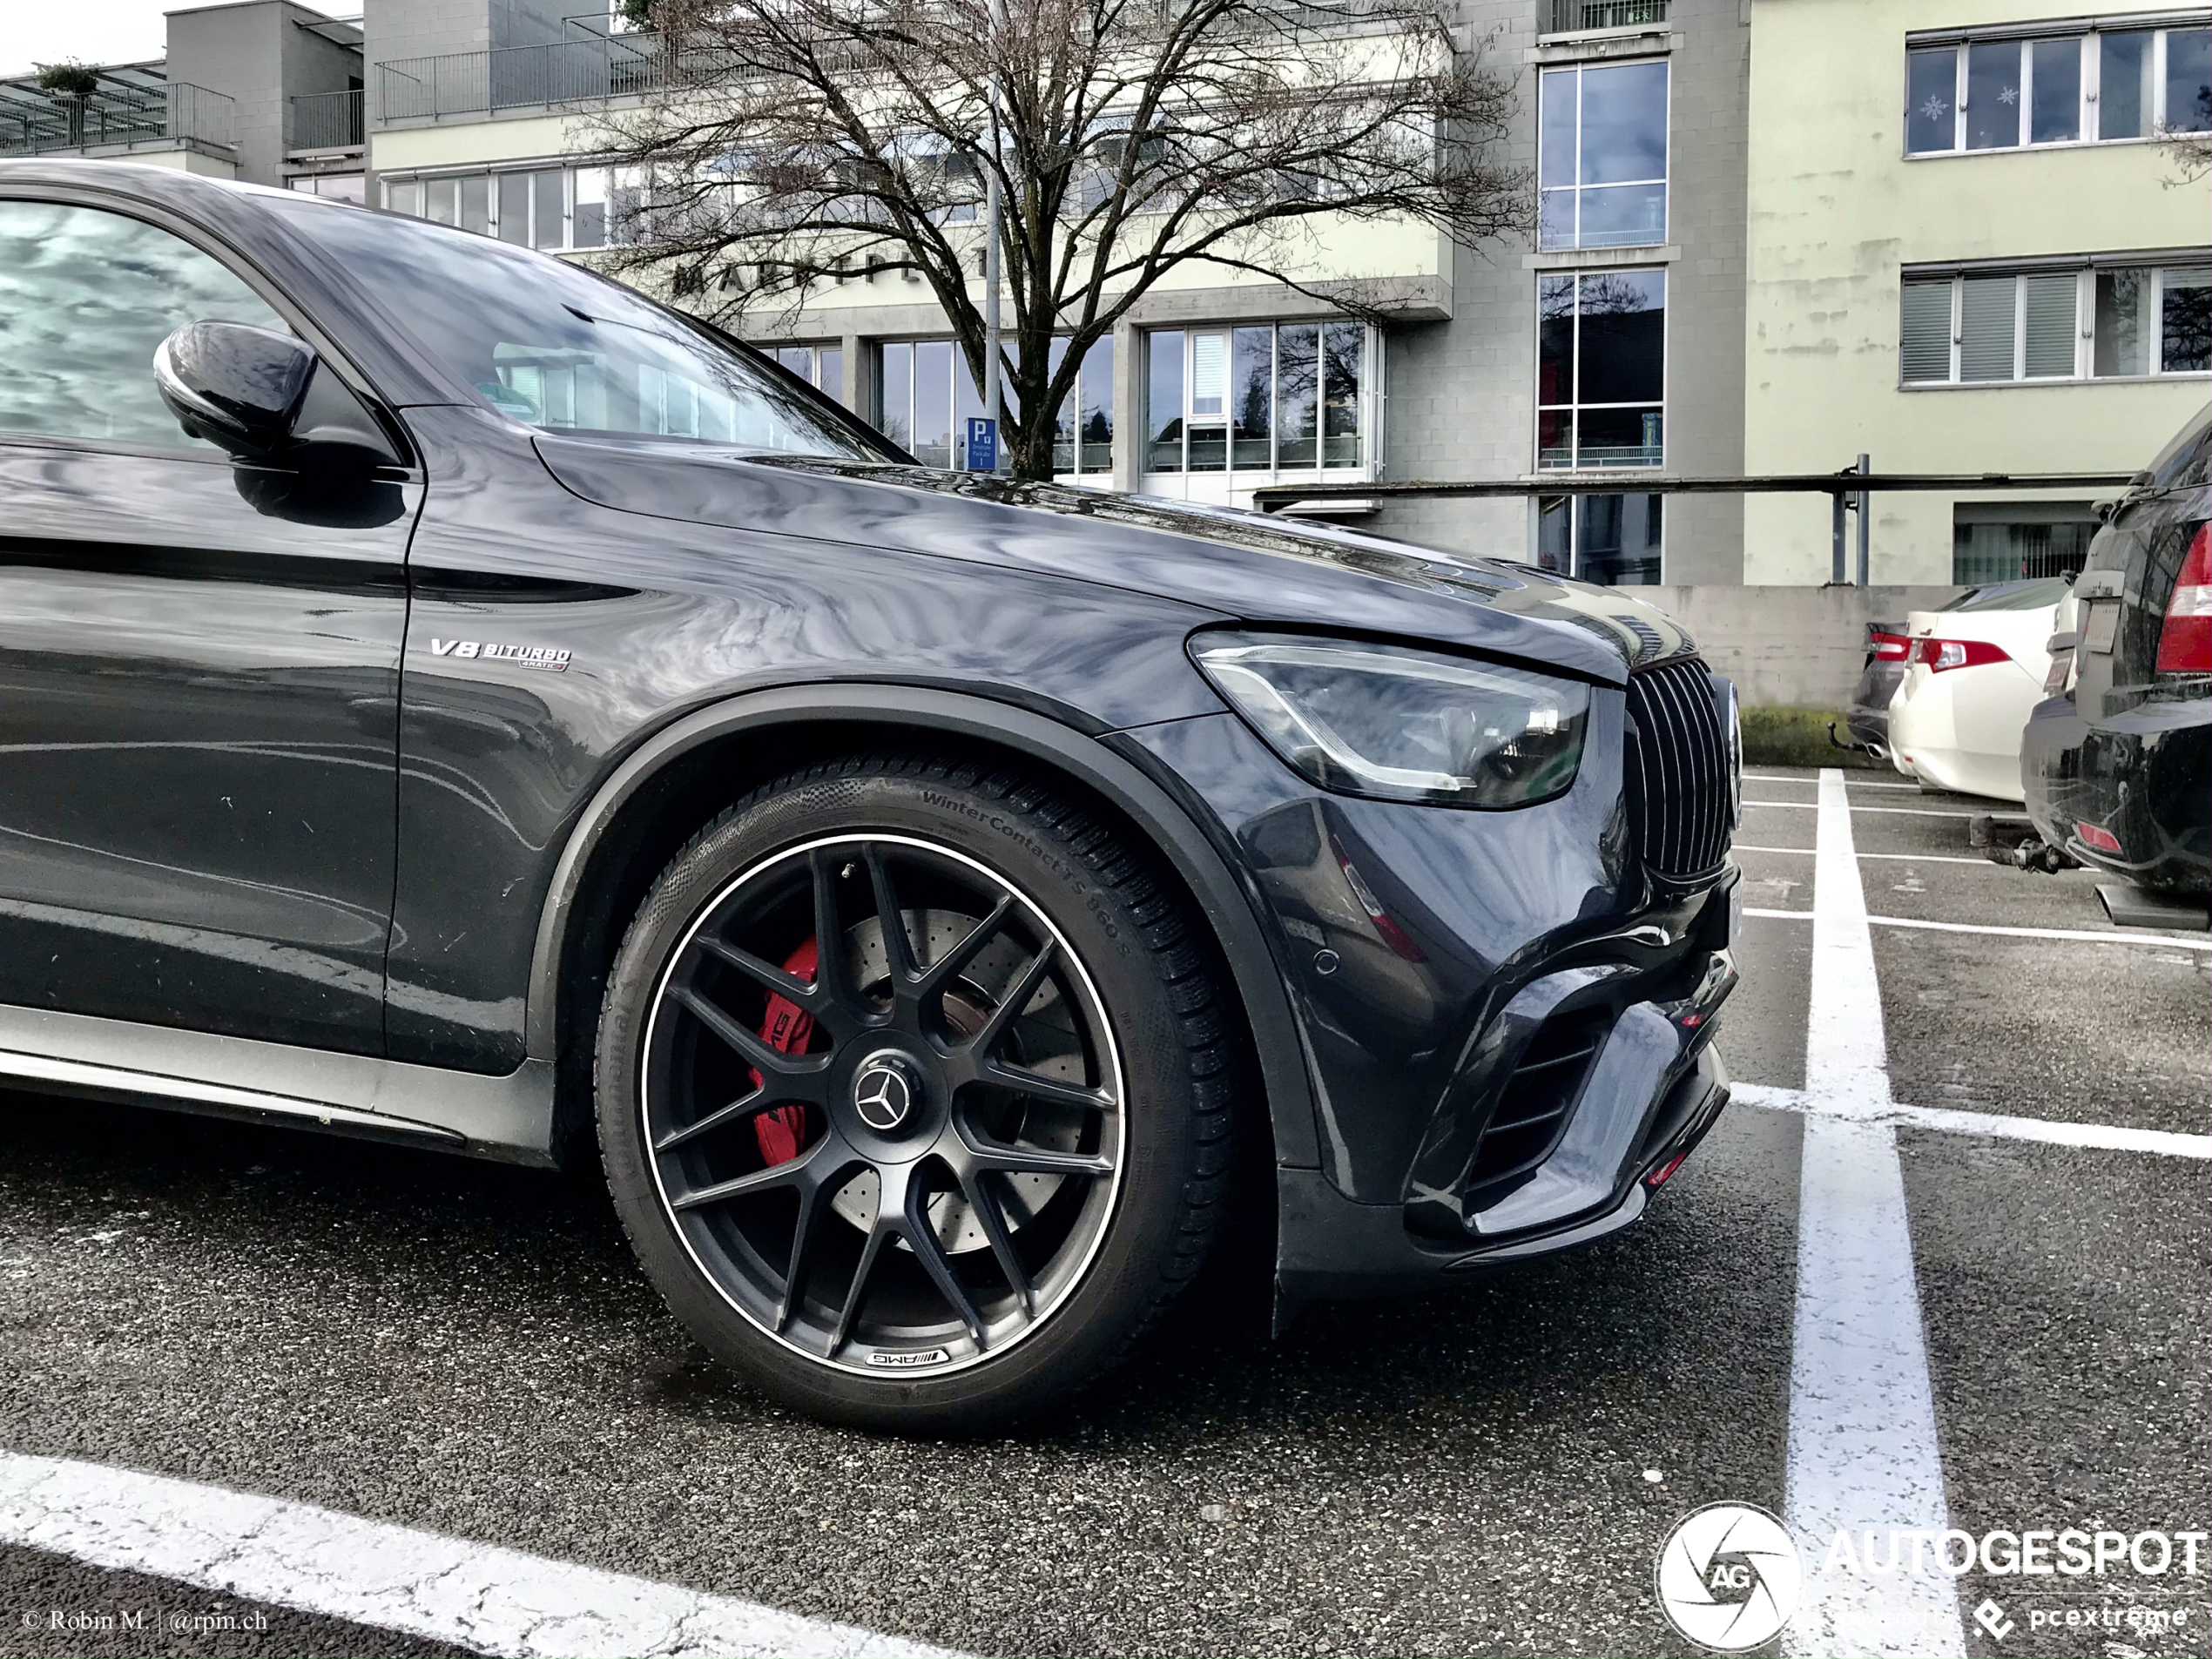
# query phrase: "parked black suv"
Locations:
[[450, 698], [2118, 765]]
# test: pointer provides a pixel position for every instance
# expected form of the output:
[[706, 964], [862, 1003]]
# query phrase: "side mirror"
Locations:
[[234, 385]]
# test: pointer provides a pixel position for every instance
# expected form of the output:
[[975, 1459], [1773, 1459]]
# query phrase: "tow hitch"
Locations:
[[2013, 841]]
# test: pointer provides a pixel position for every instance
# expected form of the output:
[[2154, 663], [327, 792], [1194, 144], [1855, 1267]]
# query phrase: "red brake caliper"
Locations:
[[782, 1130]]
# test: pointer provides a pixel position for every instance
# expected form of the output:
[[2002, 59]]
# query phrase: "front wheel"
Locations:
[[914, 1092]]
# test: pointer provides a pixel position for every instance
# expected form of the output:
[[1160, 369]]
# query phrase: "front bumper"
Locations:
[[1507, 1024], [1331, 1248]]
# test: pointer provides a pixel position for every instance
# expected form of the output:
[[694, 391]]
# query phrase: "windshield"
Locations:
[[2014, 596], [557, 348]]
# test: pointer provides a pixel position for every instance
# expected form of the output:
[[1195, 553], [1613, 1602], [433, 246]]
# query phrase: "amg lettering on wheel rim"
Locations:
[[883, 1105]]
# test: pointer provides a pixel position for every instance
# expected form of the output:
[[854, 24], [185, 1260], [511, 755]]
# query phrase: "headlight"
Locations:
[[1403, 724]]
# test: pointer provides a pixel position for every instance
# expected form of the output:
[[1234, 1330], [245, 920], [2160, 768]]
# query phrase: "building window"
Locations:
[[1602, 162], [333, 186], [1613, 540], [2095, 87], [820, 366], [558, 209], [1083, 440], [1601, 358], [1272, 397], [2117, 322], [2012, 540], [925, 396]]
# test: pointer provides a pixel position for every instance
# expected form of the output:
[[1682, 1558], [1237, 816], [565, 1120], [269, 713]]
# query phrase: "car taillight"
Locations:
[[2185, 642], [1937, 655], [1893, 648]]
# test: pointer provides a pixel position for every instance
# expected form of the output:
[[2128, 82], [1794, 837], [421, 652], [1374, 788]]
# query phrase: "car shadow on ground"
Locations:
[[1551, 1342]]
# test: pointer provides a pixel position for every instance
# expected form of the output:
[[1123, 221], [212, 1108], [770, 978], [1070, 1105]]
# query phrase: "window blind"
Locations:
[[2050, 327], [1927, 353], [1986, 327]]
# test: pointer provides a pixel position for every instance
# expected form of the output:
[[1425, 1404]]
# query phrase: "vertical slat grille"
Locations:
[[1678, 770]]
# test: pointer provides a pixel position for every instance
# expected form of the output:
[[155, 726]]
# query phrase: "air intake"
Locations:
[[1531, 1108]]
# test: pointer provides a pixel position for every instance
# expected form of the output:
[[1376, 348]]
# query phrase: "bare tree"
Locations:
[[791, 143], [2189, 151]]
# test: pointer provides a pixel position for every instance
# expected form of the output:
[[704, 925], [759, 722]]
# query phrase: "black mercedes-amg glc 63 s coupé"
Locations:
[[446, 696]]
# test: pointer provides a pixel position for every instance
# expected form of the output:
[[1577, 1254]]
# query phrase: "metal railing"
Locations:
[[1570, 16], [1847, 490], [567, 72], [325, 121], [115, 117]]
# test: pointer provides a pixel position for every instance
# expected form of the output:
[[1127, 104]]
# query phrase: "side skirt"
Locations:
[[509, 1118]]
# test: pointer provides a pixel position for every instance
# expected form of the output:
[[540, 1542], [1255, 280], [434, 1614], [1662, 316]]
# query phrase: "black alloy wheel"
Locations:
[[878, 1126]]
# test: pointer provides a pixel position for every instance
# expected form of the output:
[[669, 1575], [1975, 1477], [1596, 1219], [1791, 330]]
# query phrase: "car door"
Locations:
[[198, 694]]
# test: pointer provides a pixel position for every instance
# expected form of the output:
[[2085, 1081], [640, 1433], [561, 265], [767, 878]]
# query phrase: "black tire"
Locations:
[[1080, 1131]]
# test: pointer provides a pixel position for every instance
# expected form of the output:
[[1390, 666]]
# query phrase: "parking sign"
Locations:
[[983, 443]]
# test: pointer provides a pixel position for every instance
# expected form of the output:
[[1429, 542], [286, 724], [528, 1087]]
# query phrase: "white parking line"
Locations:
[[2082, 934], [473, 1595], [1893, 812], [1852, 783], [2110, 1137], [2184, 942], [1863, 1451], [1901, 858]]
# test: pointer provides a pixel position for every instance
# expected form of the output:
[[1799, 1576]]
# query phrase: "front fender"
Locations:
[[1226, 895]]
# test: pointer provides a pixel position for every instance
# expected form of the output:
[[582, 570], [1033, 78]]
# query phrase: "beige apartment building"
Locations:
[[1968, 252]]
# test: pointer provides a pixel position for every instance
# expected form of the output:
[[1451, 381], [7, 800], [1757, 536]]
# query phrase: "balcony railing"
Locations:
[[115, 115], [568, 72], [327, 121], [1571, 16]]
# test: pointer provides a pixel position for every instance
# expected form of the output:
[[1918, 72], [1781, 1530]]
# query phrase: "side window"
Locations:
[[85, 296]]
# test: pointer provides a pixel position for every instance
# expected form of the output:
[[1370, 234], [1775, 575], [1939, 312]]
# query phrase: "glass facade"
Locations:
[[1266, 397], [1612, 540], [1602, 359], [820, 366], [1084, 437], [557, 209], [1602, 155], [924, 396]]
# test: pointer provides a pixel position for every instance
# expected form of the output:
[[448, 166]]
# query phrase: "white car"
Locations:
[[1973, 670]]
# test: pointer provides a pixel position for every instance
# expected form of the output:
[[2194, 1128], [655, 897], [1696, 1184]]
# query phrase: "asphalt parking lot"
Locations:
[[466, 1350]]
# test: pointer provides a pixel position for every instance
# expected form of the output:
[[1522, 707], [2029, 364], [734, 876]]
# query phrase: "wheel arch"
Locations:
[[634, 823]]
